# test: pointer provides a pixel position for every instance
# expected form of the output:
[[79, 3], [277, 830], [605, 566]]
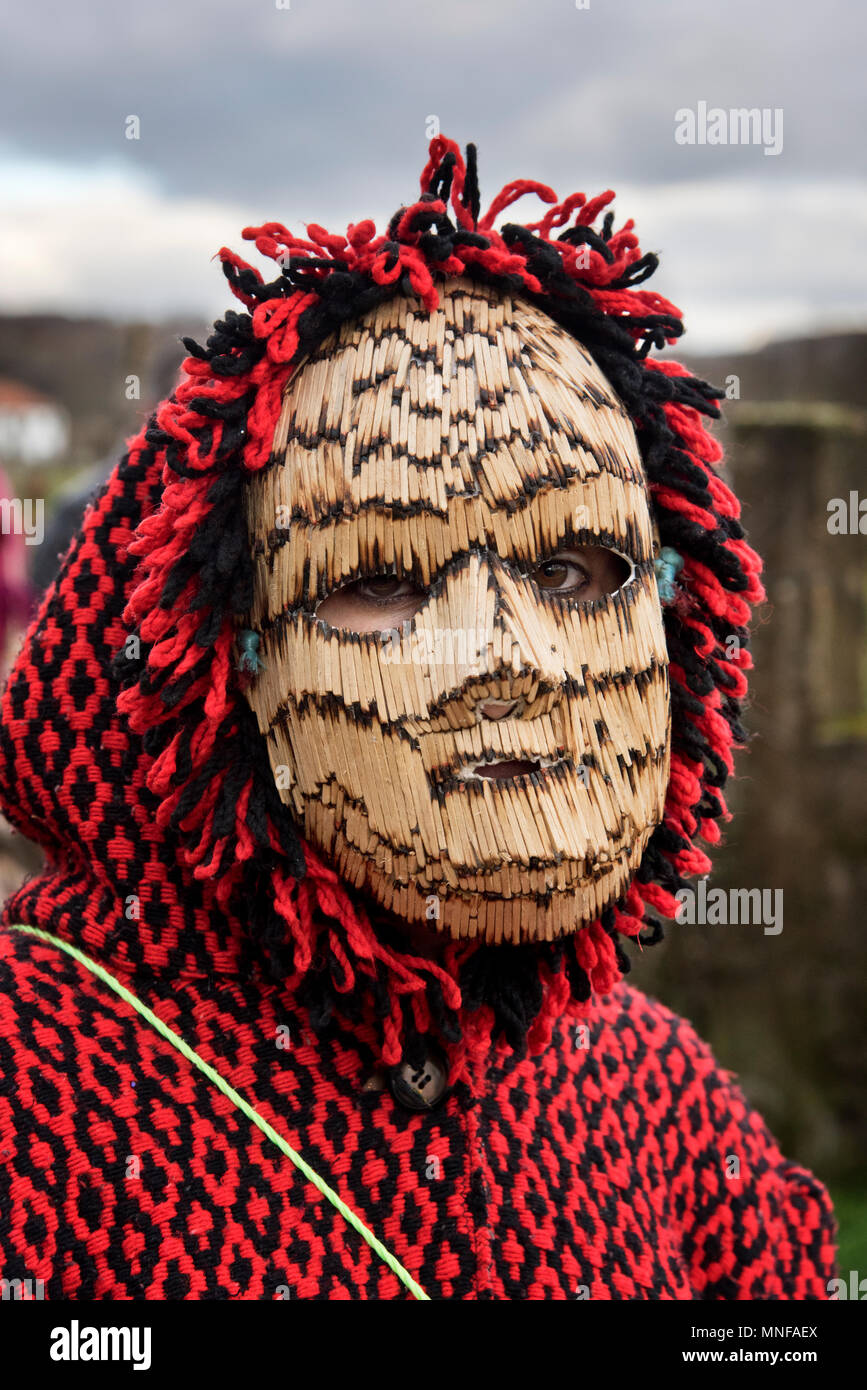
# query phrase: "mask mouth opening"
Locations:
[[497, 769]]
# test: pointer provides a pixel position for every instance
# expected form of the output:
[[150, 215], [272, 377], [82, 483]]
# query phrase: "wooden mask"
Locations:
[[461, 450]]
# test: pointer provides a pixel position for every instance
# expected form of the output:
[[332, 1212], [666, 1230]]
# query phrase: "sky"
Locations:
[[320, 110]]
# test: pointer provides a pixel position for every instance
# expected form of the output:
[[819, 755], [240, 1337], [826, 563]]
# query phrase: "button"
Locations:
[[419, 1088]]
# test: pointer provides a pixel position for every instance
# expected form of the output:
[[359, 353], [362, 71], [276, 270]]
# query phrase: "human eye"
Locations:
[[587, 572], [382, 588]]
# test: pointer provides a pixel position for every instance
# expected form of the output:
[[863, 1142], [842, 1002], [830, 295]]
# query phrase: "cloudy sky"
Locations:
[[316, 110]]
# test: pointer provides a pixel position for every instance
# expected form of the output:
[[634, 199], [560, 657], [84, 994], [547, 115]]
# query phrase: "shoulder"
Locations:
[[34, 978], [755, 1224], [631, 1016], [37, 982], [633, 1035], [39, 998], [53, 1013]]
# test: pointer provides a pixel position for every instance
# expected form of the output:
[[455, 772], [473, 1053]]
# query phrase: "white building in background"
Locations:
[[33, 428]]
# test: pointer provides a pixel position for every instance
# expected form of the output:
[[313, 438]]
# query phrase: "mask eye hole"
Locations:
[[582, 572], [373, 603]]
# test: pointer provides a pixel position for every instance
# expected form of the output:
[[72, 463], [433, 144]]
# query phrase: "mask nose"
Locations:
[[511, 666]]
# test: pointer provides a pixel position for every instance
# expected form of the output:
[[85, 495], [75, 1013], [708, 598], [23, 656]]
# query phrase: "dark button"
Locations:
[[419, 1088]]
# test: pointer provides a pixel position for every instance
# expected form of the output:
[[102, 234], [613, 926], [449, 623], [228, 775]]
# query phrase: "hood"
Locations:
[[128, 752]]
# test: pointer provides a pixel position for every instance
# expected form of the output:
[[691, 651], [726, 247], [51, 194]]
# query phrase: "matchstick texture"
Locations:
[[460, 448]]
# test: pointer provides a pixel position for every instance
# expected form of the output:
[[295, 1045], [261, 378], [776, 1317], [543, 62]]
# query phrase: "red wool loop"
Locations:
[[510, 194], [558, 216], [439, 147], [676, 502]]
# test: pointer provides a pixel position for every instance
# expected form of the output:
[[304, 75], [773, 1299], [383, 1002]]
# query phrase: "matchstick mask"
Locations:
[[462, 671], [404, 647], [368, 632]]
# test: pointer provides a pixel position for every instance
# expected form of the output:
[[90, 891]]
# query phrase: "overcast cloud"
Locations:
[[317, 112]]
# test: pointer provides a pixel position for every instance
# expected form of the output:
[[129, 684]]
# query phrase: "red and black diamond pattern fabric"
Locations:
[[629, 1168], [621, 1164]]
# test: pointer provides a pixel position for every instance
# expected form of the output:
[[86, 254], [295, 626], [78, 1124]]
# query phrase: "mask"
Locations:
[[494, 763]]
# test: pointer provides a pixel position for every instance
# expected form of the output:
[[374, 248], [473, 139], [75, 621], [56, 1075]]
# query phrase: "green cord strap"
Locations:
[[236, 1098]]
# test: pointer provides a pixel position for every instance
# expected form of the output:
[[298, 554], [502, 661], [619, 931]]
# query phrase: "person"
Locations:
[[389, 687], [15, 588]]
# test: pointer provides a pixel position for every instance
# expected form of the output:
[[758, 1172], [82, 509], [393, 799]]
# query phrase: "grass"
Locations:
[[850, 1206]]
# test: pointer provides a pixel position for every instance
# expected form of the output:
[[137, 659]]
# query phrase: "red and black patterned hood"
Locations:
[[74, 776]]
